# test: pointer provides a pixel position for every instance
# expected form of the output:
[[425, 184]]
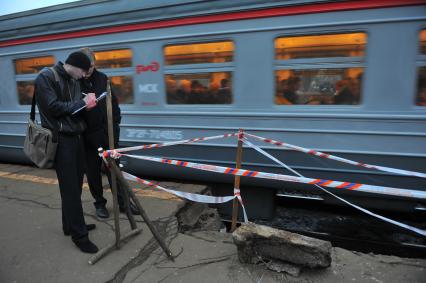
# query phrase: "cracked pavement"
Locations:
[[34, 249]]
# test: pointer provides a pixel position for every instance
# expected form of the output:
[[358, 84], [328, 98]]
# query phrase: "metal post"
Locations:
[[237, 180]]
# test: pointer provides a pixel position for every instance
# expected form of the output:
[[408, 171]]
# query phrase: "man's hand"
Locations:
[[90, 100]]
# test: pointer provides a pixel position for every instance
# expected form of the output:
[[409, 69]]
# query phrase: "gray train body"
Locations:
[[386, 128]]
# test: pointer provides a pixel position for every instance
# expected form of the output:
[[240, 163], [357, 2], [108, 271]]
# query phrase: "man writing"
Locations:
[[58, 95]]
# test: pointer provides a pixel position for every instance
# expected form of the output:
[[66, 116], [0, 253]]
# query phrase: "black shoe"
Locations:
[[89, 227], [133, 209], [102, 212], [86, 246]]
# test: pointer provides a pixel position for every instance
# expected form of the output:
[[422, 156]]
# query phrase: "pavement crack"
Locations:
[[167, 230], [30, 201], [225, 258]]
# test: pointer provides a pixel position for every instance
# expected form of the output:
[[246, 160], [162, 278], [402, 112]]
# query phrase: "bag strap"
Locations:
[[32, 114], [55, 74]]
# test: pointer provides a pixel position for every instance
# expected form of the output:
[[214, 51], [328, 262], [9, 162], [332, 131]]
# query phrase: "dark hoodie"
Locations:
[[96, 119], [56, 101]]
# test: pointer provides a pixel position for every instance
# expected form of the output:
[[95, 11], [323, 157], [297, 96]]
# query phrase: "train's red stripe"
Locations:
[[232, 16]]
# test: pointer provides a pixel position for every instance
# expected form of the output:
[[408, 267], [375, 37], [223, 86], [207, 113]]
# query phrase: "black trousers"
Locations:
[[69, 165], [94, 171]]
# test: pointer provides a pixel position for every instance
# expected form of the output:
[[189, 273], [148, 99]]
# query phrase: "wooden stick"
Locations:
[[237, 180], [113, 177], [148, 222], [102, 252]]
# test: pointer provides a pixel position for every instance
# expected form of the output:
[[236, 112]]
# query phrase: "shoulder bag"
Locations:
[[40, 143]]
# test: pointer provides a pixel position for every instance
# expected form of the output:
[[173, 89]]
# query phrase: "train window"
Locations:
[[187, 84], [26, 70], [322, 73], [122, 87], [421, 87], [320, 46], [199, 88], [33, 65], [214, 52], [121, 58], [421, 79], [423, 42], [319, 86], [25, 92]]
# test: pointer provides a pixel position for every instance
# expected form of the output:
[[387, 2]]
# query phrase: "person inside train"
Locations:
[[348, 91], [96, 135], [421, 96], [197, 93], [224, 92], [289, 90], [56, 101]]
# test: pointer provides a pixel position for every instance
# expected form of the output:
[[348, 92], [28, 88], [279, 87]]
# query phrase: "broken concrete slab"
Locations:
[[258, 243]]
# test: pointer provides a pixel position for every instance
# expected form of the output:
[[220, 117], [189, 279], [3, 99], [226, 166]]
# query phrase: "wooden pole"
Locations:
[[113, 177], [102, 252], [237, 180], [148, 222]]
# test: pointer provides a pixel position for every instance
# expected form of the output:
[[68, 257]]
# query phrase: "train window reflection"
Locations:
[[33, 65], [25, 92], [121, 58], [319, 86], [122, 87], [199, 88], [421, 89], [214, 52], [321, 46], [423, 42]]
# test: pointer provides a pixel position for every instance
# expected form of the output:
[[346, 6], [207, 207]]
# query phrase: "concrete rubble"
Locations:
[[279, 249]]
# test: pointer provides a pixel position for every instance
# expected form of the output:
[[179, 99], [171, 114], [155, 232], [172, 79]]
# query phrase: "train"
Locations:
[[347, 78]]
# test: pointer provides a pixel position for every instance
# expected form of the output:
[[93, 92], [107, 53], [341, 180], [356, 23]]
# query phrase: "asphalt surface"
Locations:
[[34, 249]]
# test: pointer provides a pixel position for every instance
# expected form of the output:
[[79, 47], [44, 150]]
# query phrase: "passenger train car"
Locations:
[[343, 77]]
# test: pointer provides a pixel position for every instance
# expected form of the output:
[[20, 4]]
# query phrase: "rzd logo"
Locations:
[[153, 67]]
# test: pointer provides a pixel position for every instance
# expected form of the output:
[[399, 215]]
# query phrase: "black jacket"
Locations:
[[96, 119], [56, 101]]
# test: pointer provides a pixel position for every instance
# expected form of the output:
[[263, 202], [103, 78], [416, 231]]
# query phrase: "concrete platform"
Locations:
[[34, 249]]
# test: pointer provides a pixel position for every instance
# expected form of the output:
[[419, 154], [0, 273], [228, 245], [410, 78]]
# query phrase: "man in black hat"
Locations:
[[58, 95]]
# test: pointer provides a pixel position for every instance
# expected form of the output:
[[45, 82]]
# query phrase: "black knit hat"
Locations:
[[79, 59]]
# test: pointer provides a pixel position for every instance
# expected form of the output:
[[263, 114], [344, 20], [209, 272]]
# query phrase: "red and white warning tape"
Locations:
[[336, 158], [322, 182], [189, 196], [242, 172], [157, 145]]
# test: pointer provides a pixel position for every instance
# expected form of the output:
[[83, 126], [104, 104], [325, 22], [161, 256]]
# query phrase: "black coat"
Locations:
[[96, 134], [57, 101]]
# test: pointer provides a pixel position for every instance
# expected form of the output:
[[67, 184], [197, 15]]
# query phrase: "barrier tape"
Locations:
[[340, 159], [402, 225], [157, 145], [190, 196], [322, 182], [237, 194]]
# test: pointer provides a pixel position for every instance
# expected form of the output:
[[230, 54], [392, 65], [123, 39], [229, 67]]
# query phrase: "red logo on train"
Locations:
[[153, 67]]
